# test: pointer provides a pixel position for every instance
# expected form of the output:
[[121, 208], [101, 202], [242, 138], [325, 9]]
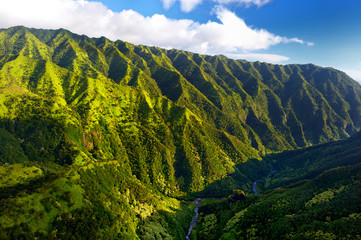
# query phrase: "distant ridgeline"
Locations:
[[100, 137]]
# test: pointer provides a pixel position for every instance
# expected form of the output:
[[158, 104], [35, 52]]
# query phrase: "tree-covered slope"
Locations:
[[315, 193], [95, 129]]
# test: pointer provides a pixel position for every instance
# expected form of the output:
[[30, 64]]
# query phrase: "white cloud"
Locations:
[[247, 3], [189, 5], [231, 35], [186, 5], [168, 3], [270, 58], [296, 40]]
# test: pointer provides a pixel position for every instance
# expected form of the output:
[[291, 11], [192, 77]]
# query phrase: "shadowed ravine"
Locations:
[[199, 200], [256, 182]]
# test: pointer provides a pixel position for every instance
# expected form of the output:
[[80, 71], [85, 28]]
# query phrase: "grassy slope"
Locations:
[[104, 133]]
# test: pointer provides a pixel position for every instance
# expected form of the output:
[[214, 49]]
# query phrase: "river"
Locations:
[[256, 182], [255, 187], [194, 220], [199, 200]]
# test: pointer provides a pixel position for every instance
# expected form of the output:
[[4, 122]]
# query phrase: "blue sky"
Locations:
[[323, 32]]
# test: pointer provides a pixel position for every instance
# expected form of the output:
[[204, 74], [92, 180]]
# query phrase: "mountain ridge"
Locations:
[[111, 127], [261, 105]]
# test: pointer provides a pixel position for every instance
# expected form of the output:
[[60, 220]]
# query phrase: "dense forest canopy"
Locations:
[[107, 140]]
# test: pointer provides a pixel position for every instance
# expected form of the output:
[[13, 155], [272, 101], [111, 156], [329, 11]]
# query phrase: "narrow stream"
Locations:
[[255, 182], [194, 220], [199, 200], [255, 187]]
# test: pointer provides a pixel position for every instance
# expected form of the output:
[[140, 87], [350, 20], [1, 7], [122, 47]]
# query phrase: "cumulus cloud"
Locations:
[[189, 5], [233, 34], [247, 3], [230, 35], [186, 5], [168, 3]]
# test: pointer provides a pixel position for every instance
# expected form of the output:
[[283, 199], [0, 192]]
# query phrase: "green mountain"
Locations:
[[102, 139], [313, 193]]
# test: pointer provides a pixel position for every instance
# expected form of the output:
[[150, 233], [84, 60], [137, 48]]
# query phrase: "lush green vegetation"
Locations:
[[107, 140], [315, 194]]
